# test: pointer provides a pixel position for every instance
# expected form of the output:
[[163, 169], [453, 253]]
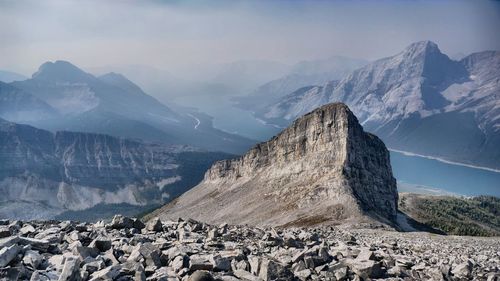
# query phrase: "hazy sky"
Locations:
[[168, 34]]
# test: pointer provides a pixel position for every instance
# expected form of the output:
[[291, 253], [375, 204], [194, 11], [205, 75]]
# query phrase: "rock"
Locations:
[[108, 273], [199, 262], [341, 273], [32, 258], [303, 274], [84, 252], [7, 254], [365, 269], [325, 144], [179, 263], [220, 263], [323, 253], [147, 251], [101, 244], [138, 224], [154, 225], [5, 232], [38, 244], [271, 270], [365, 255], [245, 275], [70, 270], [200, 275], [120, 222], [463, 270], [254, 264], [39, 275]]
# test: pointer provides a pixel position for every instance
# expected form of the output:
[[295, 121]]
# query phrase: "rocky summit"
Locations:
[[127, 249], [323, 169]]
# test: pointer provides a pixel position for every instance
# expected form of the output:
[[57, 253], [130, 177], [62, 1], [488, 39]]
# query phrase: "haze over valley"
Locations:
[[249, 140]]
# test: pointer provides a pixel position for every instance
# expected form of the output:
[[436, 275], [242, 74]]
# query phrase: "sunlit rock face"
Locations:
[[322, 169]]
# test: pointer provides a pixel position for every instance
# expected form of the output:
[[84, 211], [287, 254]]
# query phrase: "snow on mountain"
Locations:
[[403, 98], [305, 73]]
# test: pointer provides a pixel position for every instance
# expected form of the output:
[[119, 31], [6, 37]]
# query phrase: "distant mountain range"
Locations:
[[60, 96], [419, 100], [44, 175], [304, 73], [9, 76]]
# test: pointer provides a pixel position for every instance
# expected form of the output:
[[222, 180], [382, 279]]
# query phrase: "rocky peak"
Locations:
[[421, 48], [61, 71], [312, 136], [323, 167]]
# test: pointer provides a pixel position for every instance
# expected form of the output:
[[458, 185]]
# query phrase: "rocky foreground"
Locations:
[[127, 249]]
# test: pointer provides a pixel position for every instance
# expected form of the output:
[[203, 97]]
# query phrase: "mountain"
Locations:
[[322, 169], [112, 104], [19, 106], [8, 76], [44, 174], [419, 101], [247, 74], [302, 74]]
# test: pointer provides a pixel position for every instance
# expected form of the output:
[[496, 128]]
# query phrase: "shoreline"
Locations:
[[407, 153]]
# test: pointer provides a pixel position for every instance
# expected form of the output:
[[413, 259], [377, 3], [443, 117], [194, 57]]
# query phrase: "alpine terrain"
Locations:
[[60, 96], [419, 101], [88, 176], [322, 169]]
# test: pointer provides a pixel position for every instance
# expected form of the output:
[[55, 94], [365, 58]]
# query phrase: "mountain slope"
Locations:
[[305, 73], [114, 105], [57, 172], [323, 169], [9, 76], [416, 101], [19, 106]]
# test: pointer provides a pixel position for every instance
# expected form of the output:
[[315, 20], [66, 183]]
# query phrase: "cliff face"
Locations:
[[322, 169], [63, 171]]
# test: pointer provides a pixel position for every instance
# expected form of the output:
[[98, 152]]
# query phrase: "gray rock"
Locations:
[[201, 276], [220, 263], [108, 273], [245, 275], [70, 270], [32, 259], [365, 269], [5, 231], [7, 254], [120, 222], [463, 270], [101, 244], [272, 270], [199, 262], [154, 225]]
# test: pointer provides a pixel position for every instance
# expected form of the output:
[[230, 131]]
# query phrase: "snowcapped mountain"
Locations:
[[305, 73], [418, 100], [112, 104]]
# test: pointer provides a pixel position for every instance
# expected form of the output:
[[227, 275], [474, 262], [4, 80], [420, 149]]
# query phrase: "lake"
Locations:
[[413, 173]]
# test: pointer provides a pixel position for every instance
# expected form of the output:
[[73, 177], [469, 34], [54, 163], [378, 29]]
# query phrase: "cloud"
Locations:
[[170, 34]]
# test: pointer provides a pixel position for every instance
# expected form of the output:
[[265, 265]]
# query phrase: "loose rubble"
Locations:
[[127, 249]]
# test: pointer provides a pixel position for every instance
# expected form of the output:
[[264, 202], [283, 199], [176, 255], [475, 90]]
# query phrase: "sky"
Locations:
[[176, 34]]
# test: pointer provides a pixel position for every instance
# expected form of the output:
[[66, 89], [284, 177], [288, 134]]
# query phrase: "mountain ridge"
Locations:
[[323, 169], [74, 171], [406, 97]]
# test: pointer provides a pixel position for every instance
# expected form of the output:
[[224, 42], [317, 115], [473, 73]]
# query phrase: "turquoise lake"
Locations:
[[413, 173]]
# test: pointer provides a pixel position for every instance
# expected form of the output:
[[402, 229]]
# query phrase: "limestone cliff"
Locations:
[[322, 169]]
